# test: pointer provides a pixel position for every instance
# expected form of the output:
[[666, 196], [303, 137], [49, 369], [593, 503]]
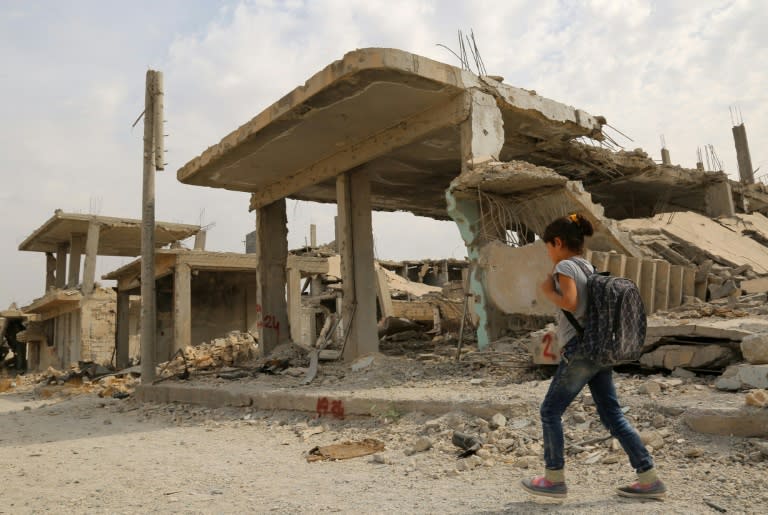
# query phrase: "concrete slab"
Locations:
[[389, 112], [118, 236], [743, 422], [712, 236]]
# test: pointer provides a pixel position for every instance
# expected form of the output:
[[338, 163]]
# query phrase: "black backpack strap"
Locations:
[[572, 319], [575, 323]]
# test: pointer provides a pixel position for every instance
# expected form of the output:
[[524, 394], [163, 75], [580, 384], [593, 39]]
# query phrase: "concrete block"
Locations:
[[718, 291], [545, 347], [648, 284], [661, 286], [600, 261], [676, 285], [632, 269], [755, 285], [691, 356], [739, 377], [744, 422], [617, 264], [689, 282], [755, 348], [513, 275]]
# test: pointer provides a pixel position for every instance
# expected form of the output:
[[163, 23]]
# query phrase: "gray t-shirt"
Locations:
[[566, 331]]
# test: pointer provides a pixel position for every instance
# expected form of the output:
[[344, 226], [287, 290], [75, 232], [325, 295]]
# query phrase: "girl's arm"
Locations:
[[569, 299]]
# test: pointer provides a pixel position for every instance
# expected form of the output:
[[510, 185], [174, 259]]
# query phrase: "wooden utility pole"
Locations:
[[153, 160]]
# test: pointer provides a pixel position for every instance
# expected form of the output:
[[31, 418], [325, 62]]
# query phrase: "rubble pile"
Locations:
[[85, 377], [710, 337], [235, 349], [729, 252]]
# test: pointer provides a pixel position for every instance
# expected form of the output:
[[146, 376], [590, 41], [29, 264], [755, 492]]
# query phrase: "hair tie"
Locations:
[[574, 217]]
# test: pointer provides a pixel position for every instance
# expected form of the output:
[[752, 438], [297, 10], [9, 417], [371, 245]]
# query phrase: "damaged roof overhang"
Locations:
[[391, 113], [117, 236]]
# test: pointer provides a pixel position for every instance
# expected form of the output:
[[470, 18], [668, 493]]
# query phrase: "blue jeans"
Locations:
[[570, 378]]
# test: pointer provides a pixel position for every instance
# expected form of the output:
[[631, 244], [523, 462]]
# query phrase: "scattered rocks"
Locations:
[[497, 421], [694, 452], [420, 445], [650, 388], [652, 438]]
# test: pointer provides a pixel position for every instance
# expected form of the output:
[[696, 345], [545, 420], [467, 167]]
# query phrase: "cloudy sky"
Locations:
[[72, 83]]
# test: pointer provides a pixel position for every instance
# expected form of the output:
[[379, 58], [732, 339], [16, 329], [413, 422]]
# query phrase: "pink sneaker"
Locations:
[[542, 486], [655, 490]]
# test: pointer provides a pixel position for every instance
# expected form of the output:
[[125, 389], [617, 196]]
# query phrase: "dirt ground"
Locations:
[[75, 452]]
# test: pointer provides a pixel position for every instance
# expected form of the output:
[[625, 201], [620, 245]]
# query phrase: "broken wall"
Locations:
[[97, 327]]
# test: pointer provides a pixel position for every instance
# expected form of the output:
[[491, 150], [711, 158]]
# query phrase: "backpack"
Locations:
[[615, 326]]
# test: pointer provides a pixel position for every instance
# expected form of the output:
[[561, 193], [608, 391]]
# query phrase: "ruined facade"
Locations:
[[387, 130], [75, 320]]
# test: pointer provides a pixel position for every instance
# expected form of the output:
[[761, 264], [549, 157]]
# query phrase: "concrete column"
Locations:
[[91, 251], [357, 269], [482, 138], [482, 135], [182, 308], [50, 271], [661, 291], [313, 236], [294, 303], [648, 284], [632, 270], [122, 333], [742, 154], [689, 282], [336, 234], [271, 261], [701, 289], [665, 158], [444, 276], [675, 285], [617, 264], [61, 265], [718, 199], [200, 240], [76, 247], [600, 261]]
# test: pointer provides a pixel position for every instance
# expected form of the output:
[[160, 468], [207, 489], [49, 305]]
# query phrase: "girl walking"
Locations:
[[566, 287]]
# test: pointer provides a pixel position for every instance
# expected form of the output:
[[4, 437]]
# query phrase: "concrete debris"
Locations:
[[740, 377], [497, 421], [235, 349], [420, 445], [757, 398], [741, 422], [672, 357], [755, 348]]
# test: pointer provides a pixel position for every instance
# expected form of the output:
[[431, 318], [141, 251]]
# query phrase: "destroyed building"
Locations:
[[382, 129], [75, 319]]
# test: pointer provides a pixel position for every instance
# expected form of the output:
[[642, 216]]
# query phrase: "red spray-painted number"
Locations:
[[327, 407], [547, 340]]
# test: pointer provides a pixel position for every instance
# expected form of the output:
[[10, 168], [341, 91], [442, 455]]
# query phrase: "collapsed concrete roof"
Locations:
[[118, 236], [390, 112]]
